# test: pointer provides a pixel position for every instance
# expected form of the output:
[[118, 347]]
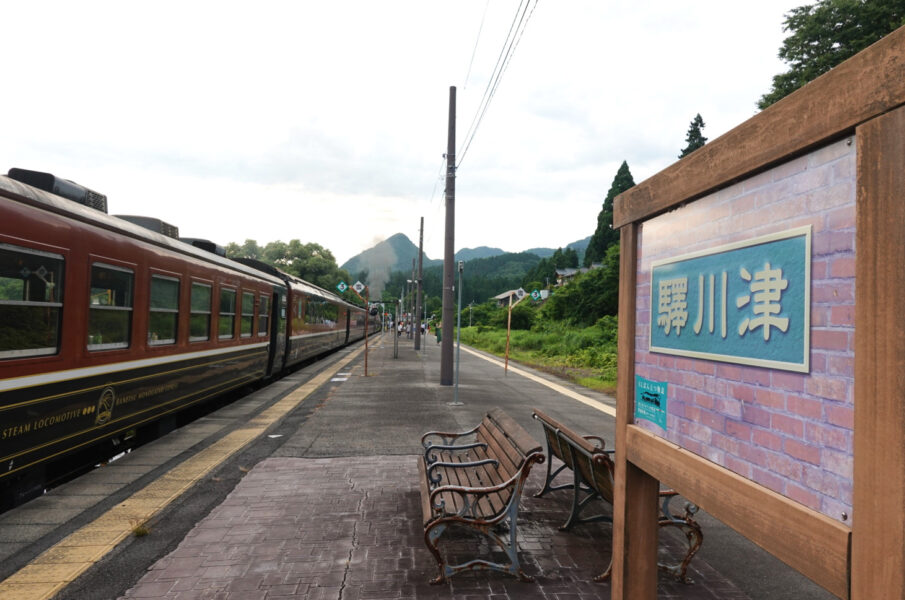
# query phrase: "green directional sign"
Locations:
[[535, 295], [342, 287]]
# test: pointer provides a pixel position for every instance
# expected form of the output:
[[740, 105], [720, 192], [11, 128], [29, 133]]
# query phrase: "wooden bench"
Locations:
[[475, 479], [592, 477]]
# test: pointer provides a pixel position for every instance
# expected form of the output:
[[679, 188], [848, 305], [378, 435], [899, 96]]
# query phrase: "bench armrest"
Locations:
[[690, 508], [601, 443], [446, 438], [605, 458], [456, 465]]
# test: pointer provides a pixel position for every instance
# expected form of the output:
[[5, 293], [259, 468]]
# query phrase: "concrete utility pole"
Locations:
[[449, 311], [418, 298], [412, 303]]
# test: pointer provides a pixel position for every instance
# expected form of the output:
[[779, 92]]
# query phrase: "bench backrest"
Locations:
[[507, 441], [591, 461]]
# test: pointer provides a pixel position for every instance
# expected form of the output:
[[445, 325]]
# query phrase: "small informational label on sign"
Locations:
[[650, 401]]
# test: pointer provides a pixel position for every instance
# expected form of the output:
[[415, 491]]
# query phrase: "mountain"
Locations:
[[395, 254], [541, 252], [467, 254], [392, 254], [579, 246], [398, 251], [483, 278]]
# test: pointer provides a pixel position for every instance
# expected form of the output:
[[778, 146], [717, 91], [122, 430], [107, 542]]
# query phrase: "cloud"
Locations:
[[327, 121]]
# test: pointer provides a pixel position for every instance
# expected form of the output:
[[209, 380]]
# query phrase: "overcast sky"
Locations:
[[327, 121]]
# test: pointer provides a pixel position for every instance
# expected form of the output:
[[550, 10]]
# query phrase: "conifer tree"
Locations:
[[605, 236], [694, 139]]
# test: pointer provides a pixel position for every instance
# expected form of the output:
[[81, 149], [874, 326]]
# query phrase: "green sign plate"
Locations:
[[746, 303]]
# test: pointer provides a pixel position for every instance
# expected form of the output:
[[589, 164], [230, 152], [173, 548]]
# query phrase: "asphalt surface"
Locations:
[[351, 416]]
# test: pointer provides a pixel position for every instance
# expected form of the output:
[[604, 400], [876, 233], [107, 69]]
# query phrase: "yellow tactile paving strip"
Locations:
[[62, 563], [553, 386]]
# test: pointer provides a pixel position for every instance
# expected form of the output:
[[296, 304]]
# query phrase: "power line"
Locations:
[[516, 29], [474, 51], [438, 178], [497, 69]]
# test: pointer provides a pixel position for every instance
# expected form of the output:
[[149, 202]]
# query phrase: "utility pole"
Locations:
[[458, 333], [418, 298], [448, 313], [412, 303]]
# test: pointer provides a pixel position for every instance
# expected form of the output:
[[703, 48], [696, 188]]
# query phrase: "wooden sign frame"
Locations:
[[863, 98]]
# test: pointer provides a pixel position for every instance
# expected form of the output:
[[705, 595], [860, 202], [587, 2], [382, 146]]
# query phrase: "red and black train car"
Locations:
[[108, 328]]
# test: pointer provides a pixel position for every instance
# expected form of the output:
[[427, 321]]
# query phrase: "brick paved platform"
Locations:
[[349, 528]]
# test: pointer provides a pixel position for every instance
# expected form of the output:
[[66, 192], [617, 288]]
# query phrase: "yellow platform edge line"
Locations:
[[65, 561]]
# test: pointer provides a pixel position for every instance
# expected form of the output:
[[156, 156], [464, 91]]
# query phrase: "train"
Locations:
[[112, 326]]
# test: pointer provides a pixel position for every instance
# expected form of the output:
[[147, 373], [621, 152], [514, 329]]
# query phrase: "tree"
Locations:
[[311, 262], [250, 249], [589, 296], [694, 139], [605, 236], [544, 272], [826, 33]]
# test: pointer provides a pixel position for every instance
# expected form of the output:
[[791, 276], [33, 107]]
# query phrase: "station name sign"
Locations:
[[746, 303]]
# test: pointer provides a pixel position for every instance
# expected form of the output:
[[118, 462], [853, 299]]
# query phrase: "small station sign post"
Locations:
[[358, 287]]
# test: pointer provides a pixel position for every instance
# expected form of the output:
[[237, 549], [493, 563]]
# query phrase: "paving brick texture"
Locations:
[[349, 528]]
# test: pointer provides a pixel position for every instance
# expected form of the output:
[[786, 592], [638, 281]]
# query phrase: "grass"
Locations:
[[140, 528]]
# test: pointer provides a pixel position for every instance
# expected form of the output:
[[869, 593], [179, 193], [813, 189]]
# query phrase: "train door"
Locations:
[[348, 324], [278, 331]]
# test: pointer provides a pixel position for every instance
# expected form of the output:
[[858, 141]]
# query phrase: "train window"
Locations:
[[330, 312], [164, 310], [264, 316], [298, 322], [31, 302], [200, 317], [227, 313], [281, 322], [110, 307], [248, 314], [314, 315]]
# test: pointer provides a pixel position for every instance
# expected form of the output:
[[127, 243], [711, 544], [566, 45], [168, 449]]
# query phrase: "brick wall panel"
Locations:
[[791, 432]]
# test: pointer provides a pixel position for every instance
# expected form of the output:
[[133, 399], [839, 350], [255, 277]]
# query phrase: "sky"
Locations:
[[327, 121]]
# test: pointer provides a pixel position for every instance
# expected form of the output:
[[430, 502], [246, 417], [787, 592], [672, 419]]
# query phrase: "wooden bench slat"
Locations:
[[522, 439], [485, 476], [475, 477], [503, 450]]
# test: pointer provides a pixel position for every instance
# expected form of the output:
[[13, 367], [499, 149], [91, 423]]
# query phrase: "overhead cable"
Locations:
[[474, 51], [516, 29]]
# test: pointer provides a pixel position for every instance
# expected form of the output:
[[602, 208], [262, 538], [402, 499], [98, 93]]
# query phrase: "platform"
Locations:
[[319, 498], [335, 512]]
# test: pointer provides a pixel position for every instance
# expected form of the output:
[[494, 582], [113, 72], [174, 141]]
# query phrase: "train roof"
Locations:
[[42, 200], [295, 282]]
